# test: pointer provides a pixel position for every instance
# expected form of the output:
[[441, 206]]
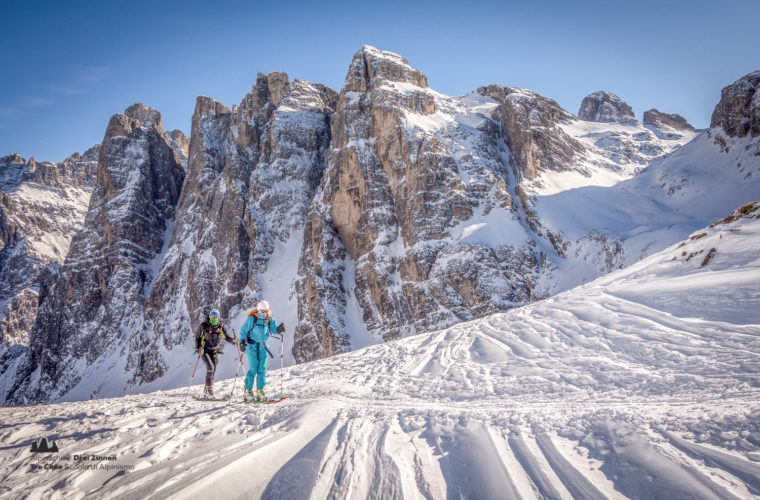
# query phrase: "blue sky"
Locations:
[[68, 66]]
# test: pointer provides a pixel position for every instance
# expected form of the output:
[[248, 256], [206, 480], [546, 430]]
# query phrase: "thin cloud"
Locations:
[[82, 77], [37, 102], [20, 107], [91, 74], [64, 90]]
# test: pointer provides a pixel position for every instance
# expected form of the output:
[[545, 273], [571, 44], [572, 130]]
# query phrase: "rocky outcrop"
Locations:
[[738, 111], [75, 171], [605, 107], [96, 299], [42, 205], [387, 238], [179, 143], [660, 119], [531, 127]]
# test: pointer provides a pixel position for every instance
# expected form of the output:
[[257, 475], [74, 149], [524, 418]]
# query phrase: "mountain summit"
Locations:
[[605, 107]]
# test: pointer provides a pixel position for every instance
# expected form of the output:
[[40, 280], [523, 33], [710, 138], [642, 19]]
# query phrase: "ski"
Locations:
[[264, 401], [201, 398]]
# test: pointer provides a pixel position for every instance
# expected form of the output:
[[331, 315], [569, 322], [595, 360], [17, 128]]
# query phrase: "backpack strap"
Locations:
[[264, 321], [205, 326]]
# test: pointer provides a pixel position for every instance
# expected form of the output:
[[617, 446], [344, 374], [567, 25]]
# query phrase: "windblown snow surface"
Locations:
[[642, 384]]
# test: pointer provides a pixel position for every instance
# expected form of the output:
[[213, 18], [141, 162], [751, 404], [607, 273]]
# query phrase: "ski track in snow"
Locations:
[[629, 387]]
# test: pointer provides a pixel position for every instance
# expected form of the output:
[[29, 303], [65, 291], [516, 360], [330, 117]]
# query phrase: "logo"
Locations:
[[41, 446]]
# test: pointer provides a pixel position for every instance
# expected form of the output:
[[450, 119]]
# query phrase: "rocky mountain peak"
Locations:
[[658, 118], [180, 144], [209, 107], [277, 85], [738, 112], [371, 66], [605, 107], [13, 159], [147, 117], [266, 95], [530, 123], [137, 116]]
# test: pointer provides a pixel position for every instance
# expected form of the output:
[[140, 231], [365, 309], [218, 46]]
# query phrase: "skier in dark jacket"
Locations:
[[208, 345]]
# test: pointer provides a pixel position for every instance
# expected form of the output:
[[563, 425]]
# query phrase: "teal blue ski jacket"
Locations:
[[257, 329]]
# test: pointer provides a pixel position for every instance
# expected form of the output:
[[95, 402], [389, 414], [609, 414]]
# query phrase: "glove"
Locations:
[[242, 346], [199, 351], [281, 328], [234, 339]]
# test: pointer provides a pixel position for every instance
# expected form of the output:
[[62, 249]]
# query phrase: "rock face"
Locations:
[[738, 111], [658, 118], [95, 301], [386, 247], [41, 206], [252, 174], [605, 107], [179, 143], [531, 125]]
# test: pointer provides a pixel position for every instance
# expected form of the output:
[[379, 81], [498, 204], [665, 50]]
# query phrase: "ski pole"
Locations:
[[237, 365], [282, 348], [191, 377]]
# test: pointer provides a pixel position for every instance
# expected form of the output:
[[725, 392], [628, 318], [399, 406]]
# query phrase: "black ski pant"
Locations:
[[210, 359]]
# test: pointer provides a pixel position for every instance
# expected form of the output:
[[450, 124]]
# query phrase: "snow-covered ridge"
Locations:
[[617, 151], [643, 384]]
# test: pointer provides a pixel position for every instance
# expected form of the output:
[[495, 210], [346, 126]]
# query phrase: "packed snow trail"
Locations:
[[643, 384]]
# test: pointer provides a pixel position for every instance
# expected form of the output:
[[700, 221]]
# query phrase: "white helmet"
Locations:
[[262, 306]]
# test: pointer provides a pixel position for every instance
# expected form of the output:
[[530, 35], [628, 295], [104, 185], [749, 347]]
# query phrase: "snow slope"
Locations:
[[615, 152], [643, 384], [662, 204]]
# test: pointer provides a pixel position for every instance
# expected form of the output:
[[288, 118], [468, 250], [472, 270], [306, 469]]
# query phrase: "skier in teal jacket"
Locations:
[[253, 341]]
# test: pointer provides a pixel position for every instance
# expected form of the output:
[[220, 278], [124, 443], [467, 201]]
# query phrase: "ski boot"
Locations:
[[208, 392], [260, 396], [248, 395]]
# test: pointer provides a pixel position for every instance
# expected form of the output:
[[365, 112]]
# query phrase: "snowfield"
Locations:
[[642, 384]]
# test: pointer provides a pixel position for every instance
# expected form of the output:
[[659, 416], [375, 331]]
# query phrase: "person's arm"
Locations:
[[198, 334], [272, 326], [244, 332], [227, 336]]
